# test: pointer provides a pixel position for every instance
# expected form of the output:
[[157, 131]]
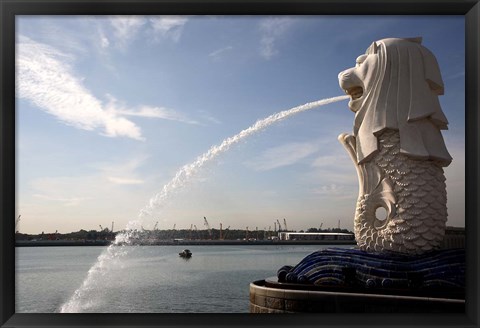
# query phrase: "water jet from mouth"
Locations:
[[80, 300]]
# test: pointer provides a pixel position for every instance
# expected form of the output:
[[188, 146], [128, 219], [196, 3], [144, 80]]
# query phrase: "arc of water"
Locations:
[[189, 170], [113, 252]]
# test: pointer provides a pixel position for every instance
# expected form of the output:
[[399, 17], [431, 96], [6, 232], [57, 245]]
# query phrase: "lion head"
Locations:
[[395, 85]]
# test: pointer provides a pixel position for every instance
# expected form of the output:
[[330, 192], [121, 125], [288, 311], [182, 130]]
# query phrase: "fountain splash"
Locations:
[[117, 249]]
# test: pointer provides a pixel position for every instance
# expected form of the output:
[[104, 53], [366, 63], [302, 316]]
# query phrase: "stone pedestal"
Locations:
[[349, 280], [270, 296]]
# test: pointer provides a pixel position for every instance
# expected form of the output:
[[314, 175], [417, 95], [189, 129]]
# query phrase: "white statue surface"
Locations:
[[397, 147]]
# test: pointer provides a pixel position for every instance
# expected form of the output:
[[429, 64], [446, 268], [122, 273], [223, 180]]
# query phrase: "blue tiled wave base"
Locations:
[[436, 270]]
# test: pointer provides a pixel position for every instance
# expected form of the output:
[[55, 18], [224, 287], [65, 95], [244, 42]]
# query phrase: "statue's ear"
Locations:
[[372, 49], [432, 72]]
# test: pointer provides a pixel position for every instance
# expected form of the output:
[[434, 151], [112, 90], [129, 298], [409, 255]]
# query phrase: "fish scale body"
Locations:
[[412, 191]]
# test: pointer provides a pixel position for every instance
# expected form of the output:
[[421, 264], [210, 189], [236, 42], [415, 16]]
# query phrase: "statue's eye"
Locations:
[[360, 60]]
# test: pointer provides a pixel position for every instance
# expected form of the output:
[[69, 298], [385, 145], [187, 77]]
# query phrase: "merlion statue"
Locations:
[[399, 153], [397, 147]]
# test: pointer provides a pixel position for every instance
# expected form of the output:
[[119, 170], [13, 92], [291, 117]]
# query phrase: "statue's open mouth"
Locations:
[[355, 92]]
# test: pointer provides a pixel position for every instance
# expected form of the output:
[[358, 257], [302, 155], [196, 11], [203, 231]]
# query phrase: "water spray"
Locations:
[[117, 249]]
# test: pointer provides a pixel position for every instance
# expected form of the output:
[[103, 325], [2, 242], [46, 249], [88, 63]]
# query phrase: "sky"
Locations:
[[110, 108]]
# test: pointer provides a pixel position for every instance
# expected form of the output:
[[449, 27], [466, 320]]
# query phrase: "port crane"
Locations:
[[279, 226], [196, 230], [221, 237], [208, 227], [226, 232], [285, 224], [173, 231]]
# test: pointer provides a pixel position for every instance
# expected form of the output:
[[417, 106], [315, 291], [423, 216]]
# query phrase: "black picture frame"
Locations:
[[10, 8]]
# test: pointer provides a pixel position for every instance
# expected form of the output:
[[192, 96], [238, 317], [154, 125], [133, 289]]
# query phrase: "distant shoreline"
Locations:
[[46, 243]]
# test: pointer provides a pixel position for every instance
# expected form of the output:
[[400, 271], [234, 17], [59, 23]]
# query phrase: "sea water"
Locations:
[[150, 279]]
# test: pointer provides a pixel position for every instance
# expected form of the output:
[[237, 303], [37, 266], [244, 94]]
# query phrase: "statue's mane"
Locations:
[[404, 97]]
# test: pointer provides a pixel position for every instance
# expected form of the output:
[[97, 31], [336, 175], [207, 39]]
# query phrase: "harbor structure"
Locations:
[[315, 236]]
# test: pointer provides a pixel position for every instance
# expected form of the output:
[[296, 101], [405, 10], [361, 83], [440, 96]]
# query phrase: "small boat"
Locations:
[[185, 253]]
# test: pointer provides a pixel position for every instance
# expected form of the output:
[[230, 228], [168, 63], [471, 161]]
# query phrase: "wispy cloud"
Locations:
[[45, 77], [332, 169], [271, 30], [59, 190], [217, 54], [157, 28], [104, 42], [334, 194], [284, 155], [330, 190], [125, 28], [125, 181], [331, 160], [105, 179], [207, 116], [169, 27], [124, 173], [156, 112]]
